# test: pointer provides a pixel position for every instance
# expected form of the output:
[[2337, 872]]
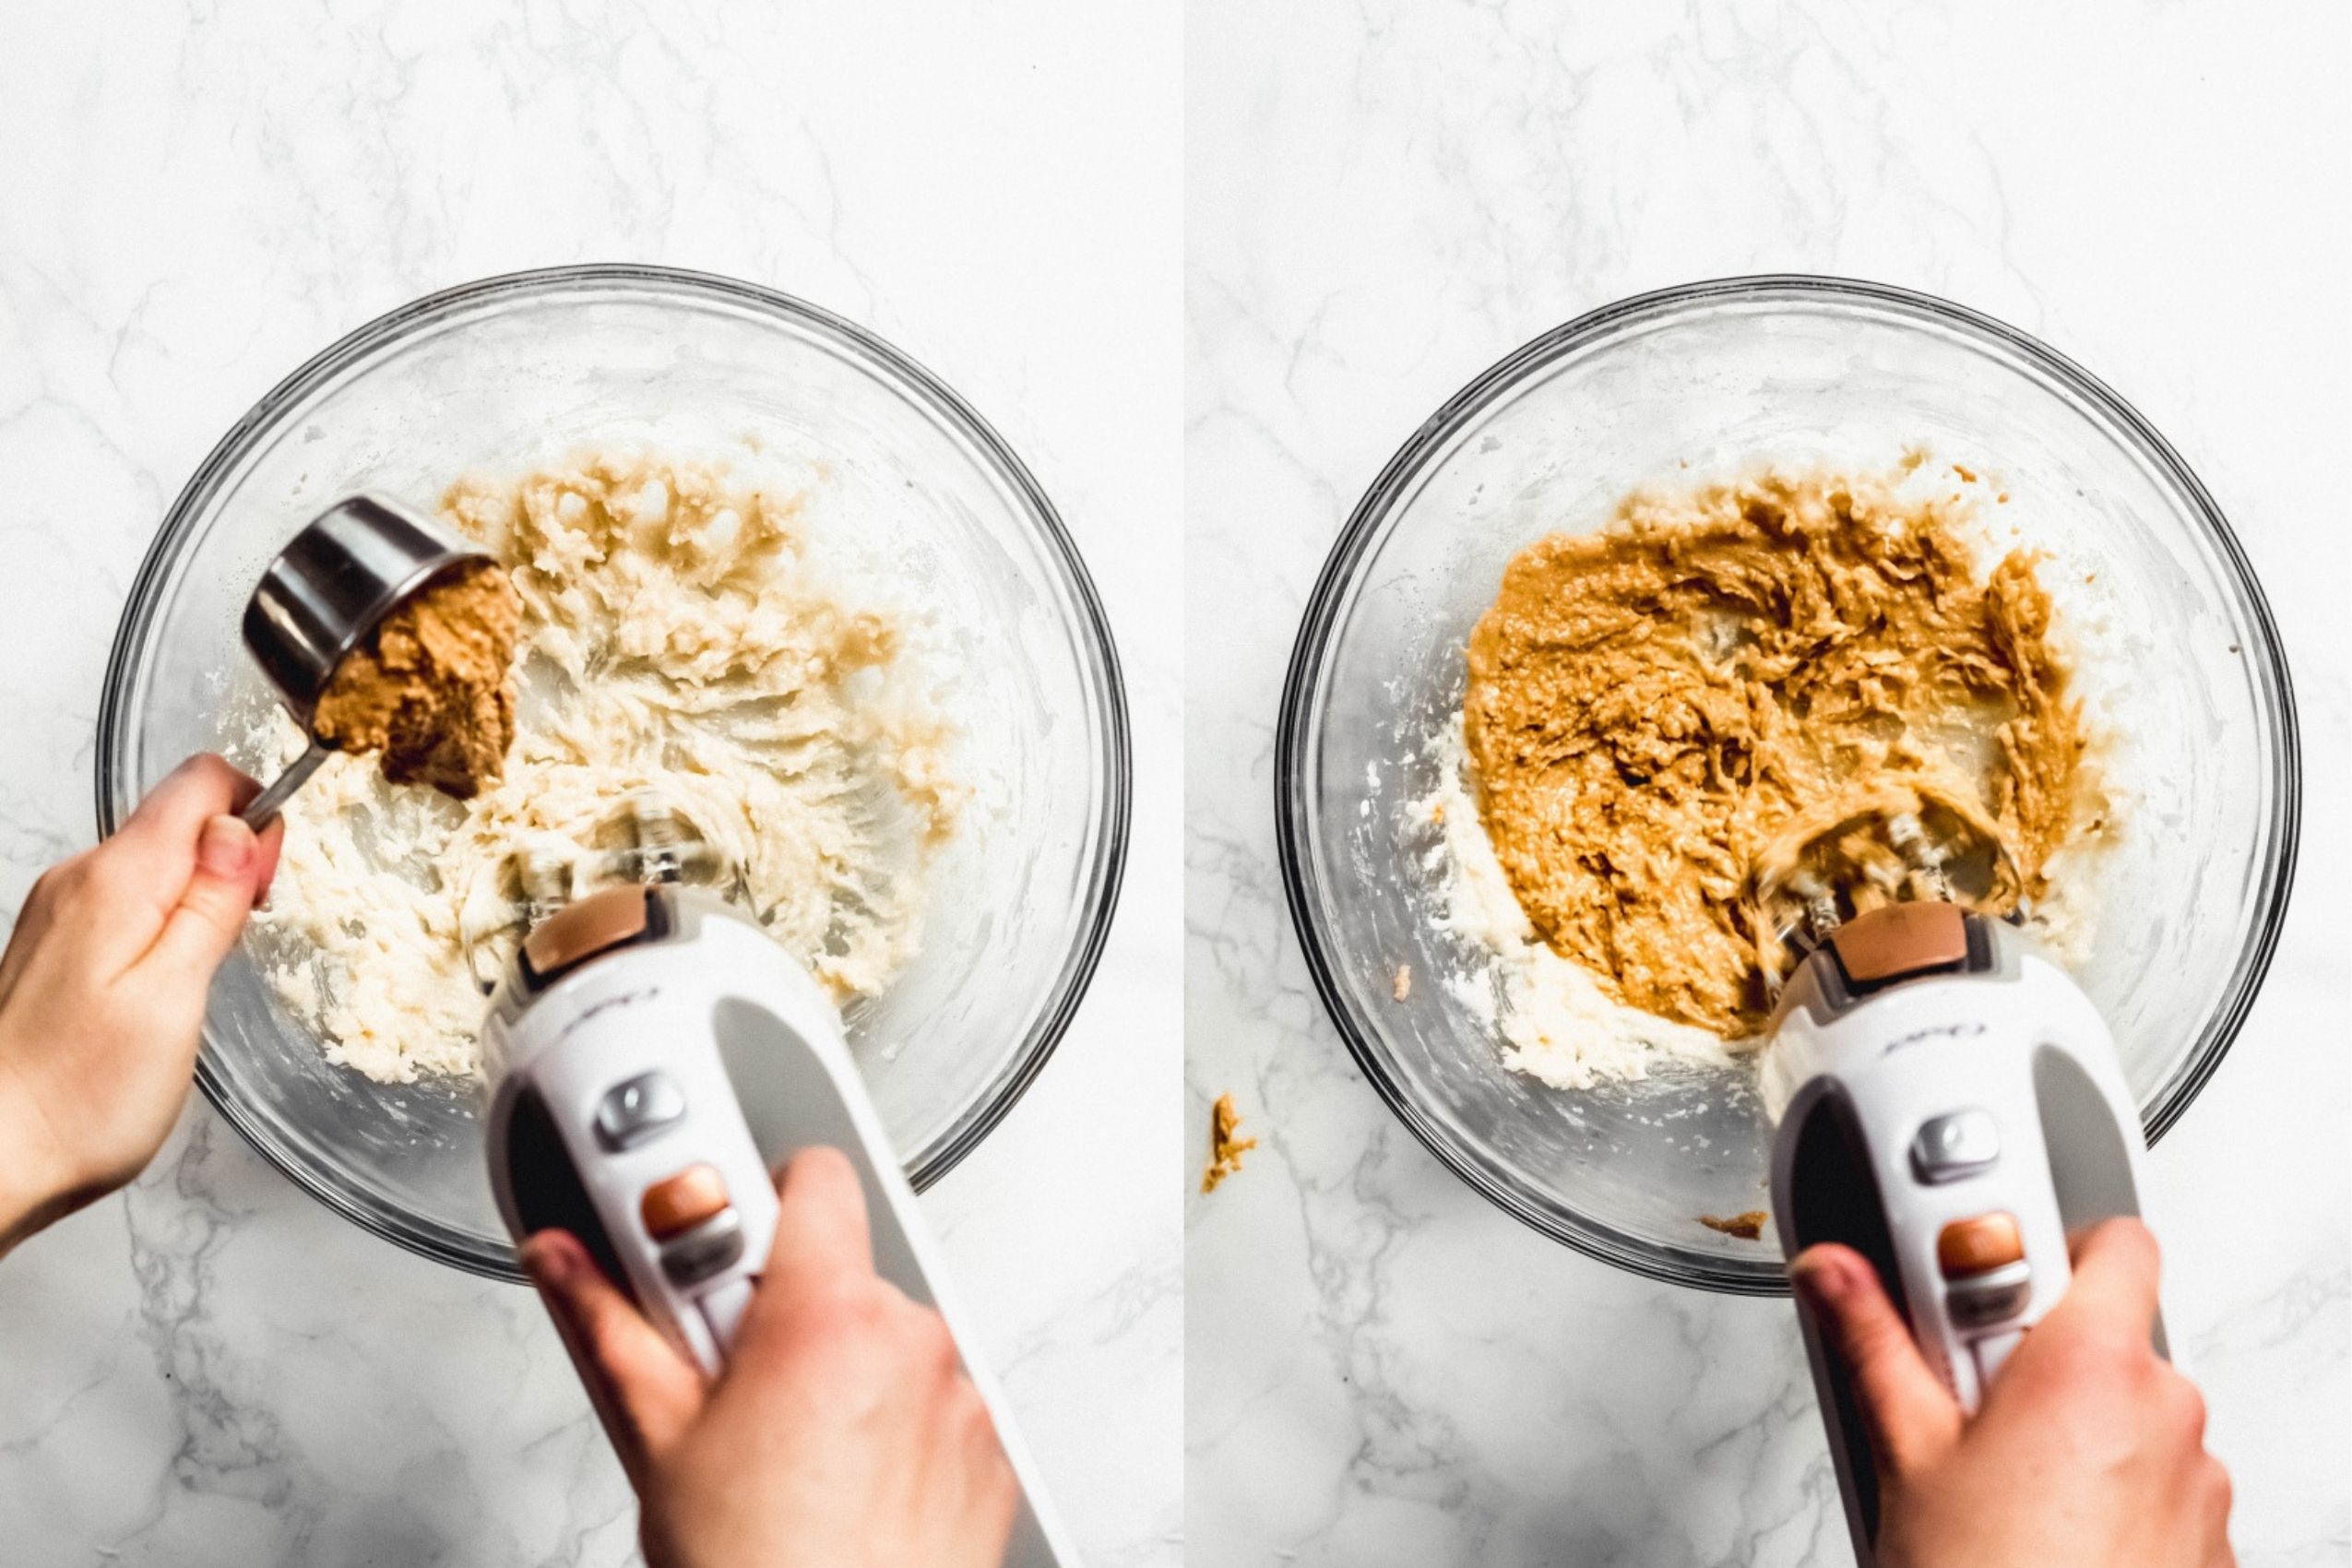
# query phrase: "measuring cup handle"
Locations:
[[281, 789]]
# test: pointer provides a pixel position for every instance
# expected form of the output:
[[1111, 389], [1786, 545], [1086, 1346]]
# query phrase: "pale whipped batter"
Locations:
[[680, 632]]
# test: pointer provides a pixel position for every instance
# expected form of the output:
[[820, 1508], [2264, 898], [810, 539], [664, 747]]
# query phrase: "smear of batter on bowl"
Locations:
[[1748, 1227], [680, 632], [432, 689], [1677, 726]]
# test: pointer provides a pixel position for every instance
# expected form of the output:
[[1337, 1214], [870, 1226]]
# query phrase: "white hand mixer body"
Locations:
[[1949, 1104], [652, 1055]]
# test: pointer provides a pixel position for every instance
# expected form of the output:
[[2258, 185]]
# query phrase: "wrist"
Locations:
[[35, 1187]]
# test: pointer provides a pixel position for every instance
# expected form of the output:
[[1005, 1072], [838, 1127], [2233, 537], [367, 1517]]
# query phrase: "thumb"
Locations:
[[1910, 1415], [204, 924], [2116, 1270], [646, 1393]]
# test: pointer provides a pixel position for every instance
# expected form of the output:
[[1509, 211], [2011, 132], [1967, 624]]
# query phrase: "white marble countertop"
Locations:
[[214, 1370], [1384, 199]]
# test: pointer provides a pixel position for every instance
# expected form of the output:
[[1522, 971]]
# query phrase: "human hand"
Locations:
[[2088, 1448], [843, 1432], [102, 990]]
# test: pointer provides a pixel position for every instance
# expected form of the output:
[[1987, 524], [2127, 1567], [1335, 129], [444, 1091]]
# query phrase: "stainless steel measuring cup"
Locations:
[[325, 594]]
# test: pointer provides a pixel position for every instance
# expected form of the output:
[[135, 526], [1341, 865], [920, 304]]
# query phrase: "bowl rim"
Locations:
[[1339, 573], [1113, 820]]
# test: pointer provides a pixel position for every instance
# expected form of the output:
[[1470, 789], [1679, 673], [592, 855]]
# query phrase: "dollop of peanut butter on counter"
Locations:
[[1226, 1144], [432, 689], [1737, 687]]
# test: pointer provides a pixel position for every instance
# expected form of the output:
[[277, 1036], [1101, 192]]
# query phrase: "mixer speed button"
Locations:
[[1950, 1146], [679, 1203], [710, 1249], [633, 1112], [1995, 1296]]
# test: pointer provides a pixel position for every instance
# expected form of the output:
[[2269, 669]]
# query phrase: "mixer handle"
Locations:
[[790, 1102]]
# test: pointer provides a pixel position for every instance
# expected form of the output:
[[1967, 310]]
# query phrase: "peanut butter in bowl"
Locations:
[[1733, 691]]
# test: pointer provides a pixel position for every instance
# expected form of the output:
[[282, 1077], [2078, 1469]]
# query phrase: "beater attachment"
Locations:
[[544, 875], [661, 848], [1833, 867], [1922, 854]]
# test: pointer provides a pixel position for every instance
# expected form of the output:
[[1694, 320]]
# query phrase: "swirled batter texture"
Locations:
[[1732, 695], [679, 632]]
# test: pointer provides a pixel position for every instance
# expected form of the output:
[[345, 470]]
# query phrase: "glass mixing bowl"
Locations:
[[2178, 657], [515, 370]]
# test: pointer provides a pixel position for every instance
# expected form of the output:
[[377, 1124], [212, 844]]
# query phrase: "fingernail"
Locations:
[[226, 847], [549, 1264], [1822, 1278]]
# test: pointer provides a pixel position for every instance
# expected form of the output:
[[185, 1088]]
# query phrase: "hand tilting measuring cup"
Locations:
[[326, 594]]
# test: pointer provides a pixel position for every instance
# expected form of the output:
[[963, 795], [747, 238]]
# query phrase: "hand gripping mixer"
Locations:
[[1948, 1104], [651, 1055]]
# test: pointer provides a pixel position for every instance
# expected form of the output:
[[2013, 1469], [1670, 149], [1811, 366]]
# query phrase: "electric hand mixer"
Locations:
[[1948, 1104], [651, 1055]]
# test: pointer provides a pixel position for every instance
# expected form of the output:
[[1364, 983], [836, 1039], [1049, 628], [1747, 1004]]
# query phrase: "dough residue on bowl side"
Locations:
[[1553, 1018]]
